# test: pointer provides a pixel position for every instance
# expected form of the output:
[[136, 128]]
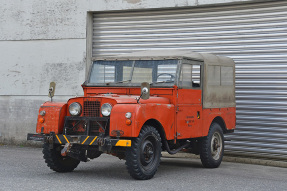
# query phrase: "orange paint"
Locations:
[[54, 118], [178, 111]]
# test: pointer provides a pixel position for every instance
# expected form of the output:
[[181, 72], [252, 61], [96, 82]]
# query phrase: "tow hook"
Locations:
[[101, 141], [66, 149]]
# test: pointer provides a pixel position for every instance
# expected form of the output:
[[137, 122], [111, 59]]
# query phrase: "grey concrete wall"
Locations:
[[44, 41]]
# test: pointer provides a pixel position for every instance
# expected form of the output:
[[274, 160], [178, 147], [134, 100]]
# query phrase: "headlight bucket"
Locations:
[[75, 109], [106, 109]]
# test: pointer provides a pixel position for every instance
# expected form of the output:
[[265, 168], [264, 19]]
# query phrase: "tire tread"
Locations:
[[205, 155], [53, 162], [132, 163]]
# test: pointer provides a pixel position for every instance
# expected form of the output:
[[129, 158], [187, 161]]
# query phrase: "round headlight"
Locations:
[[106, 109], [75, 108]]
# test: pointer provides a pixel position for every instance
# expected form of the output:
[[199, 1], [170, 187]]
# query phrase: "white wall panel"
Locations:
[[28, 67], [18, 116], [64, 19], [45, 19]]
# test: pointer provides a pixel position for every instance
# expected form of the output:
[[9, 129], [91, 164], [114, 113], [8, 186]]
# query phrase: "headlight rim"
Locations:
[[110, 107], [79, 113]]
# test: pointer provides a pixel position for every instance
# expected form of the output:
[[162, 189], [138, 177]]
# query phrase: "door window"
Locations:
[[190, 76]]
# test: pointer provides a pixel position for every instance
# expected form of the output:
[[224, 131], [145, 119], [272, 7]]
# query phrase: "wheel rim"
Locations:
[[147, 156], [216, 146]]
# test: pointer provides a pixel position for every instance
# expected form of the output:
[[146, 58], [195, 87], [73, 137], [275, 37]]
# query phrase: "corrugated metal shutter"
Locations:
[[254, 35]]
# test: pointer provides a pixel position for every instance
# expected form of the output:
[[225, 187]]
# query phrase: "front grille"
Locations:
[[92, 108], [95, 128], [75, 127]]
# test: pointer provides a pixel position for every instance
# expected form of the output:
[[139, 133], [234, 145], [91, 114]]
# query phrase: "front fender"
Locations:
[[163, 113], [53, 118]]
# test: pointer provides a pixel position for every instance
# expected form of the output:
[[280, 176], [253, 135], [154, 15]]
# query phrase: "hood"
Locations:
[[126, 99]]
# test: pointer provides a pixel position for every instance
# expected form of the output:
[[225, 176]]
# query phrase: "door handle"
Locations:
[[198, 115]]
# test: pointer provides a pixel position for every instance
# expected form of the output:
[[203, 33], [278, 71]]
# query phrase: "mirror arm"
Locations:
[[138, 99], [50, 93]]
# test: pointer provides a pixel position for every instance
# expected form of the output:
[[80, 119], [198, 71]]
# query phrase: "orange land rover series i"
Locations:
[[137, 105]]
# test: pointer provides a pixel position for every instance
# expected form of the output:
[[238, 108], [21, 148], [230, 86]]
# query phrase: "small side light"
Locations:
[[43, 112], [41, 120], [128, 115], [128, 122]]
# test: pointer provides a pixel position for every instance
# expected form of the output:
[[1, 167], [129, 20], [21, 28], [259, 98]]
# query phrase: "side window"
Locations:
[[220, 76], [190, 76], [226, 76]]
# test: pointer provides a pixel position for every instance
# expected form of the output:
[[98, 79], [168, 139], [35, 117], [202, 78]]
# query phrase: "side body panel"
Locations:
[[193, 121], [163, 113], [189, 109], [227, 114]]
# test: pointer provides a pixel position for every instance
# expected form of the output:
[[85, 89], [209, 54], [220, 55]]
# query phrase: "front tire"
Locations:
[[56, 161], [143, 158], [212, 147]]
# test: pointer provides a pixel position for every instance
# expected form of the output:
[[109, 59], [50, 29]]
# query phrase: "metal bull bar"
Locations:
[[79, 139]]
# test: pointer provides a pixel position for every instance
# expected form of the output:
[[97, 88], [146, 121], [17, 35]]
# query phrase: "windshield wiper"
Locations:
[[108, 83], [123, 81], [167, 81]]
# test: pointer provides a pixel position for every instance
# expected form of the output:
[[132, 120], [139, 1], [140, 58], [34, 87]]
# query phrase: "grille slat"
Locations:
[[92, 108]]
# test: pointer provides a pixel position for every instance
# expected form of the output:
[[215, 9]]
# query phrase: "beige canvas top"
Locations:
[[218, 89], [170, 54]]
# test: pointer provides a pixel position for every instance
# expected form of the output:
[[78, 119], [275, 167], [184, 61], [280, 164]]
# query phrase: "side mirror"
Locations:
[[52, 90], [145, 90]]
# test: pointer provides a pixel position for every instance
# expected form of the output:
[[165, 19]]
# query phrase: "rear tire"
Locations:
[[212, 147], [143, 157], [56, 161]]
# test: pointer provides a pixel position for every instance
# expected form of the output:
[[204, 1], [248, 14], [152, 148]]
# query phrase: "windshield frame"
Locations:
[[121, 84]]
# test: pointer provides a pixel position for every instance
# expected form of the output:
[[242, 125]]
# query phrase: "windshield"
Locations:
[[161, 72]]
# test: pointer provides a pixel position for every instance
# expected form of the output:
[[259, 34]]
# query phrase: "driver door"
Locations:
[[189, 100]]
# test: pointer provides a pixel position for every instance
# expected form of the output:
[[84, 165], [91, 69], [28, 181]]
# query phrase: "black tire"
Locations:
[[56, 161], [212, 147], [94, 154], [143, 157]]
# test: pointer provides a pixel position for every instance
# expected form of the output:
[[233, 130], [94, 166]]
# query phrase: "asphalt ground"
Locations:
[[23, 168]]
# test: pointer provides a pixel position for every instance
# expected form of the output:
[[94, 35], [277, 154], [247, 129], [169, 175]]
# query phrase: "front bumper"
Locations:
[[79, 139]]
